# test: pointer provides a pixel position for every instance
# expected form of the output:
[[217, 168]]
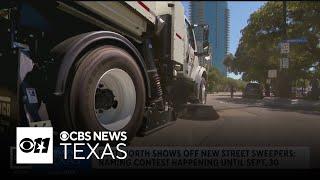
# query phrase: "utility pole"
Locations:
[[284, 10], [284, 85]]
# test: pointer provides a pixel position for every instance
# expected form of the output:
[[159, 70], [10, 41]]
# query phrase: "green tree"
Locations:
[[218, 82], [228, 62], [258, 49]]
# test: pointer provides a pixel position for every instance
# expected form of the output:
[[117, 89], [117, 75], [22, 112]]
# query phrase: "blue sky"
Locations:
[[239, 14]]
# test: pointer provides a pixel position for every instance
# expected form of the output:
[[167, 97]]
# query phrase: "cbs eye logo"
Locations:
[[34, 145], [38, 145]]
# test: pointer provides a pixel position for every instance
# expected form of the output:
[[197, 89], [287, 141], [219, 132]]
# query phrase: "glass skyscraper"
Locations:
[[216, 15]]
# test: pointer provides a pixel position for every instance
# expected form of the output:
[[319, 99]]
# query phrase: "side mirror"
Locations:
[[205, 44], [203, 30]]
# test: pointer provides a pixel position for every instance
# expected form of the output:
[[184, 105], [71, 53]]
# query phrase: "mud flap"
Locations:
[[33, 107], [19, 102]]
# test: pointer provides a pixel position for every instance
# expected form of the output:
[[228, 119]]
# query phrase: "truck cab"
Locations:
[[184, 52]]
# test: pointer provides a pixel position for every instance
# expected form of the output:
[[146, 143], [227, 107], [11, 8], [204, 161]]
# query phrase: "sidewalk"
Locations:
[[238, 93], [276, 102], [293, 103]]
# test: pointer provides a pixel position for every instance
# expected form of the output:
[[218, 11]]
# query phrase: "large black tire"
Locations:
[[79, 109], [202, 99]]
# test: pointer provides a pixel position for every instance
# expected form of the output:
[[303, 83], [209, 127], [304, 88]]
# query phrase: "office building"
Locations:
[[216, 15]]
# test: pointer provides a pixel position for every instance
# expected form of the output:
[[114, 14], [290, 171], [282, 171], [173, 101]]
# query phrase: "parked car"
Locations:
[[253, 90]]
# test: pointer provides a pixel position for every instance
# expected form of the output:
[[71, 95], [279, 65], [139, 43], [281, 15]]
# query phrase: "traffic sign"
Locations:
[[297, 41], [301, 40], [285, 48], [284, 63], [272, 73]]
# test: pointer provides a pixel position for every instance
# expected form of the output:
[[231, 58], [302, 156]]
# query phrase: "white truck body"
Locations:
[[134, 16]]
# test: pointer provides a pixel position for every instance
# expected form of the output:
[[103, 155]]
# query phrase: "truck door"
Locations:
[[190, 48]]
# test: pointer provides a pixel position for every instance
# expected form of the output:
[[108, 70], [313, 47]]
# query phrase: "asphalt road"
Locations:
[[247, 122]]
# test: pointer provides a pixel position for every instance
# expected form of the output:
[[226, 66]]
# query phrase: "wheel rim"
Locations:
[[115, 99]]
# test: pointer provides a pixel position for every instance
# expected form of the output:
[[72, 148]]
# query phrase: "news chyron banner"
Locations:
[[90, 151], [210, 158]]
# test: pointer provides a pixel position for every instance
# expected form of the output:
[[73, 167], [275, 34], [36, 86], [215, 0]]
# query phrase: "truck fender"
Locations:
[[202, 72], [69, 51]]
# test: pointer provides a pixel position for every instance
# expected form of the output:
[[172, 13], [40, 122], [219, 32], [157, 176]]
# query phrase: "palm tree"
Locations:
[[228, 62]]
